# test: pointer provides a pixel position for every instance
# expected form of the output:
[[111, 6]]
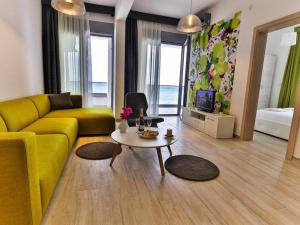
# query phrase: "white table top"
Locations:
[[131, 138]]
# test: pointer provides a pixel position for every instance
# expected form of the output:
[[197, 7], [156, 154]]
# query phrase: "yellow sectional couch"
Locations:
[[34, 146], [89, 120]]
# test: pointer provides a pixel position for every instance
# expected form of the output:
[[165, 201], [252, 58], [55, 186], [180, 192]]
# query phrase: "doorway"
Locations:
[[171, 86], [254, 81], [276, 96], [101, 57]]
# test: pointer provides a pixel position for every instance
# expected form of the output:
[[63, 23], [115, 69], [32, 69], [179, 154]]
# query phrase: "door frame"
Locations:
[[254, 78]]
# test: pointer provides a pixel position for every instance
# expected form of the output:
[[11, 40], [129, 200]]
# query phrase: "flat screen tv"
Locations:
[[205, 100]]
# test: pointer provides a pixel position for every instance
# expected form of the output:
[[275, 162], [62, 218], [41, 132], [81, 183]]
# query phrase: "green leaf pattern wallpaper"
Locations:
[[213, 59]]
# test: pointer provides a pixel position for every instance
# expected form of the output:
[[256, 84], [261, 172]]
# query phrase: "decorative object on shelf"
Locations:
[[218, 107], [190, 23], [69, 7], [213, 60], [126, 111]]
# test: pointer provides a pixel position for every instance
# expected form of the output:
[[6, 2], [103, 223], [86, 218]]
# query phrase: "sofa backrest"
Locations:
[[19, 113], [42, 103], [3, 127]]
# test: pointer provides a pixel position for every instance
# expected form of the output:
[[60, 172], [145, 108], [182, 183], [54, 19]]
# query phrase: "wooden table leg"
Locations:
[[115, 154], [162, 169], [170, 151]]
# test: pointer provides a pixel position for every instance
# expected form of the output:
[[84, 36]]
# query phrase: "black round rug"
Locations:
[[192, 168], [98, 150]]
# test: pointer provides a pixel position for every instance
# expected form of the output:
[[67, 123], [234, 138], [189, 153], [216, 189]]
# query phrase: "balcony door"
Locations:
[[101, 53], [171, 79]]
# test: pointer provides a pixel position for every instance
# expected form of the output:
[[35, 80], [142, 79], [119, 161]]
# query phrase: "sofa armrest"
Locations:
[[77, 101], [19, 181]]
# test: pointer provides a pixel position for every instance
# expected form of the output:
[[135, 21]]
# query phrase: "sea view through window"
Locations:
[[101, 70], [170, 65]]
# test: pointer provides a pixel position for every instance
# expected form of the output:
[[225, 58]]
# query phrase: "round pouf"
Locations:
[[192, 168], [98, 150]]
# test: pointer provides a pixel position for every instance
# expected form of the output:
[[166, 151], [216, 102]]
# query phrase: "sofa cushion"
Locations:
[[61, 101], [3, 127], [52, 152], [77, 101], [91, 121], [67, 126], [18, 113], [42, 104]]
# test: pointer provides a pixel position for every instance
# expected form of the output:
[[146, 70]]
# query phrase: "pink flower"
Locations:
[[126, 111]]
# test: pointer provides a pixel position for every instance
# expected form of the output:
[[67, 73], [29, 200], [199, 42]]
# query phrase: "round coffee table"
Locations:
[[131, 139]]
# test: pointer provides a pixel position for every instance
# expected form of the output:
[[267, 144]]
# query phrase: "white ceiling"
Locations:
[[171, 8]]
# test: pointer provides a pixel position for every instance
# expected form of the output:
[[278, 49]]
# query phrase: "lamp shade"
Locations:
[[189, 24], [69, 7]]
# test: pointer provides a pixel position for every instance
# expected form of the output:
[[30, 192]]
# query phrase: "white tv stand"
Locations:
[[213, 124]]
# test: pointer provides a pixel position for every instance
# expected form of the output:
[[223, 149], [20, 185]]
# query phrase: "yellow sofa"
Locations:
[[34, 146]]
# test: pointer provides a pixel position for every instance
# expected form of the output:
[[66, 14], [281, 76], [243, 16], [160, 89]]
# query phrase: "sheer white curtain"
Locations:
[[75, 57], [149, 41]]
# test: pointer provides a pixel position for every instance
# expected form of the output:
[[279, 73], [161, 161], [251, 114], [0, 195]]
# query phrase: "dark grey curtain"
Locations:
[[51, 64], [131, 56]]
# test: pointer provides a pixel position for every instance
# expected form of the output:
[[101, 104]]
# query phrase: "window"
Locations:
[[170, 79], [101, 53]]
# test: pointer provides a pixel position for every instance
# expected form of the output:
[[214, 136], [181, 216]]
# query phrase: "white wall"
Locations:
[[119, 66], [21, 69], [104, 18], [254, 13], [121, 12], [267, 78]]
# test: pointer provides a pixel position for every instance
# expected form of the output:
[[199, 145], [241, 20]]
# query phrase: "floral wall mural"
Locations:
[[213, 61]]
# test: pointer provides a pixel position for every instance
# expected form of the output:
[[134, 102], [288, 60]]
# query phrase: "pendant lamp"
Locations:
[[69, 7], [190, 23]]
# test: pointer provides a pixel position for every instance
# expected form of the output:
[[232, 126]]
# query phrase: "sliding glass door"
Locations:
[[171, 79], [101, 52]]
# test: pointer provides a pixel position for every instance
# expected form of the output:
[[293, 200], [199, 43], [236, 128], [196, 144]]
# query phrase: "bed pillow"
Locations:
[[61, 101]]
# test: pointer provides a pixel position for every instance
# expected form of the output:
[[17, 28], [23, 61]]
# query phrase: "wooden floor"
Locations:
[[255, 186]]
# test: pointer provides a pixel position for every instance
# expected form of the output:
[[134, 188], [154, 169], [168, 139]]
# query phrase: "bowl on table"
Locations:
[[149, 134]]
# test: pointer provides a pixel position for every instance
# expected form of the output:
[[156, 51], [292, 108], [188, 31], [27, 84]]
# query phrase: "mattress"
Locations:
[[274, 121]]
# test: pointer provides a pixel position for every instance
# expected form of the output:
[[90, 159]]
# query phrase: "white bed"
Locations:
[[274, 121]]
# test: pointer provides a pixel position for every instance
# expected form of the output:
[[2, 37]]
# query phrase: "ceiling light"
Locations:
[[189, 23], [69, 7]]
